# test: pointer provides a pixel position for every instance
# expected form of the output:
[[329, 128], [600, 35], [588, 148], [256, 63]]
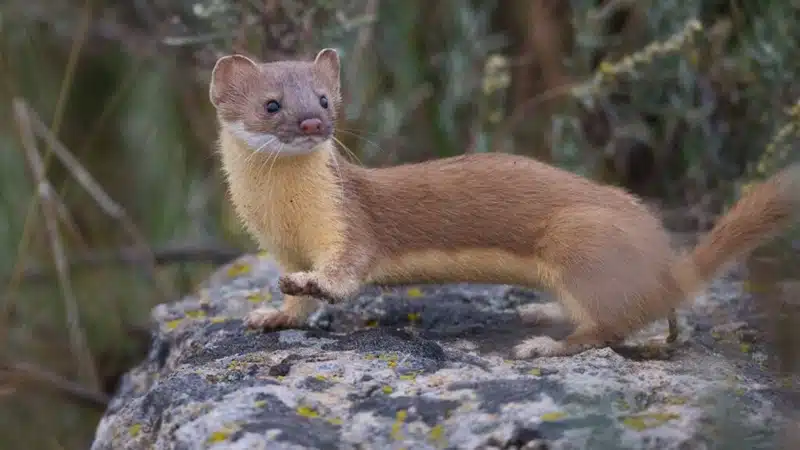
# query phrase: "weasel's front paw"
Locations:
[[303, 283], [270, 319], [543, 346], [538, 346]]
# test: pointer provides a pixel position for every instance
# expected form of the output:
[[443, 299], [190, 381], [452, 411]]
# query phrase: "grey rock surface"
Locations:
[[429, 367]]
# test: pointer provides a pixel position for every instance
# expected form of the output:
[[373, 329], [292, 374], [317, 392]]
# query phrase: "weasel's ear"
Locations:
[[227, 71], [327, 61]]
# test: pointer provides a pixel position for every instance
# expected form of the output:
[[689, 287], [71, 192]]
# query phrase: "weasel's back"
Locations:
[[488, 178], [492, 200]]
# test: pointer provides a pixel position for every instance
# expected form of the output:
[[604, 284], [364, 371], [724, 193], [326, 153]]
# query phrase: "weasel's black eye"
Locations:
[[272, 106], [323, 101]]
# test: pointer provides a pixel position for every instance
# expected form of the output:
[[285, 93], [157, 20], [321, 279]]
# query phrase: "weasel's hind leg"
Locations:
[[584, 337], [591, 330]]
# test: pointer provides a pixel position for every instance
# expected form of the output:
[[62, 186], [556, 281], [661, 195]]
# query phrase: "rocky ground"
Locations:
[[429, 367]]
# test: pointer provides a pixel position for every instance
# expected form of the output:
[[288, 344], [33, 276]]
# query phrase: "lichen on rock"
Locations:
[[424, 367]]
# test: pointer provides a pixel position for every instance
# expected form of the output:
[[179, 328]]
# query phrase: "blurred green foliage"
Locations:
[[123, 84]]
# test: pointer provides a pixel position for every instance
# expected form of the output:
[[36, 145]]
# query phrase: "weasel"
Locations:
[[333, 226]]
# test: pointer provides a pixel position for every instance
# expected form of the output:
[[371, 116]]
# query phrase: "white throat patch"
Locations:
[[269, 143]]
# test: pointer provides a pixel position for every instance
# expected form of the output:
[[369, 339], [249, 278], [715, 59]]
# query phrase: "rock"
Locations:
[[428, 367]]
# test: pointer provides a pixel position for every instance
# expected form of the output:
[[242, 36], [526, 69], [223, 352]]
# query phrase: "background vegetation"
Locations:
[[122, 86]]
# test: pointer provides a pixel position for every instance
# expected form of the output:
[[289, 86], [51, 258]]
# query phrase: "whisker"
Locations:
[[341, 180], [271, 185], [258, 150], [350, 152], [359, 136], [265, 144], [355, 131], [265, 161]]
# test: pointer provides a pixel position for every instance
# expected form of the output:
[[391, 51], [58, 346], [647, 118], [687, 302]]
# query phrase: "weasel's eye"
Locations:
[[272, 106], [323, 101]]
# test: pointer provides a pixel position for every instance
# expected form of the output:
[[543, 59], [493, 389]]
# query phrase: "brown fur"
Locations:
[[494, 218]]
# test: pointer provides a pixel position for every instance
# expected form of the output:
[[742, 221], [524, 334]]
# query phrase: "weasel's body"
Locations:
[[493, 218]]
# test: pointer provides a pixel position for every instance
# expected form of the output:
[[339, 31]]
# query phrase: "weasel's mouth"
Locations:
[[270, 143], [309, 141], [299, 145]]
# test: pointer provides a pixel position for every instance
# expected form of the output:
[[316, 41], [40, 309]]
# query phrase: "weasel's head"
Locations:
[[284, 107]]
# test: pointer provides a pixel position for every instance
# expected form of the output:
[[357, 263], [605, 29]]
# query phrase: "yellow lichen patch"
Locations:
[[391, 359], [411, 376], [196, 314], [745, 347], [553, 416], [334, 420], [172, 324], [623, 404], [372, 323], [321, 377], [414, 292], [641, 422], [238, 269], [397, 426], [413, 317], [255, 298], [260, 403], [307, 411], [676, 400], [233, 365], [436, 435], [537, 372], [387, 389], [220, 435], [218, 319], [134, 430]]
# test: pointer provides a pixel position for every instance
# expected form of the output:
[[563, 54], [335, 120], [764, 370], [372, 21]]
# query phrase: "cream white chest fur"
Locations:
[[290, 203]]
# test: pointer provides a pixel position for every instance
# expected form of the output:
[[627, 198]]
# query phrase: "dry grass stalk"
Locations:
[[77, 337]]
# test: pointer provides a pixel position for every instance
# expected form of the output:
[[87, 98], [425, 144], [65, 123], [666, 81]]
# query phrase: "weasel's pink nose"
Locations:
[[311, 126]]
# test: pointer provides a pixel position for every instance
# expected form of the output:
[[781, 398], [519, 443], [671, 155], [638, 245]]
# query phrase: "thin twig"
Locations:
[[103, 200], [26, 372], [67, 220], [45, 191], [178, 254]]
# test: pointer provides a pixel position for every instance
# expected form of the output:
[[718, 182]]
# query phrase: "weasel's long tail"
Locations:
[[760, 215]]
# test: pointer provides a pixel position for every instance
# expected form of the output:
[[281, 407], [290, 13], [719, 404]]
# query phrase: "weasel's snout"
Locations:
[[311, 126]]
